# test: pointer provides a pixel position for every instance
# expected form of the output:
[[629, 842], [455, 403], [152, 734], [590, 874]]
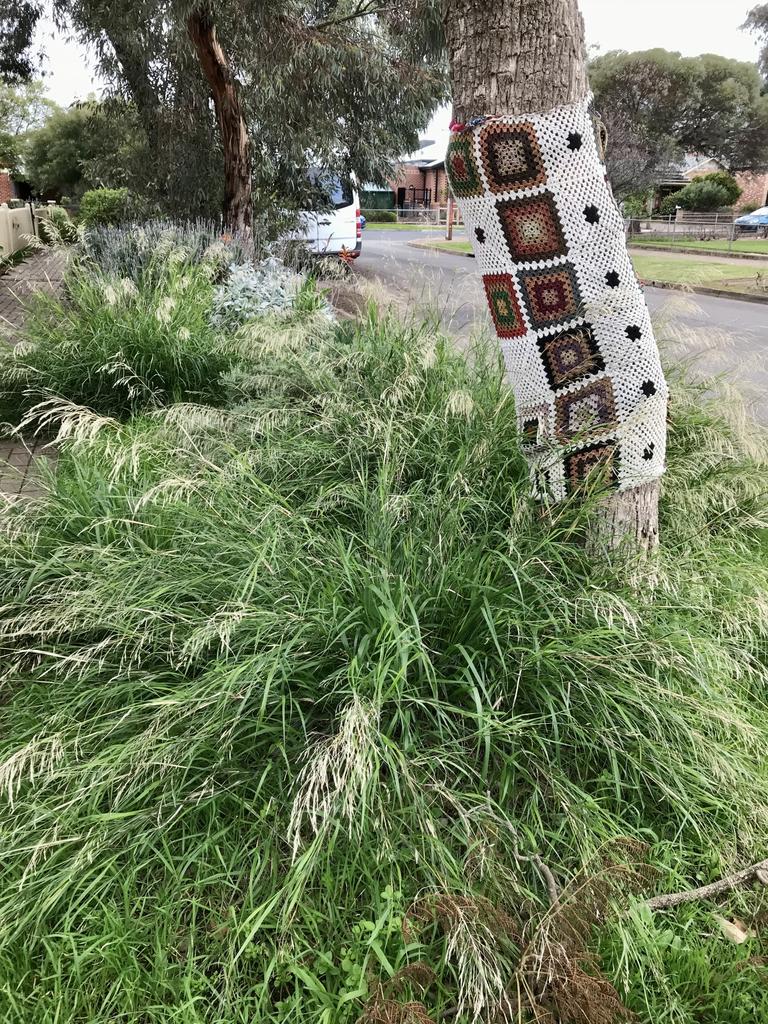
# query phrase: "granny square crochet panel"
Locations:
[[564, 300]]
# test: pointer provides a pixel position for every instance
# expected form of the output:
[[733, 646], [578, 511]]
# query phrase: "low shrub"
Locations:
[[381, 216], [299, 695], [250, 291], [104, 206], [635, 205], [116, 348], [706, 194], [727, 182]]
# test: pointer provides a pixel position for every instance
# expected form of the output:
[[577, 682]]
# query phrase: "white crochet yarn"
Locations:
[[565, 301]]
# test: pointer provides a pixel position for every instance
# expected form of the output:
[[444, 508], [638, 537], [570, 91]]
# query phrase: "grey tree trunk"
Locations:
[[527, 57]]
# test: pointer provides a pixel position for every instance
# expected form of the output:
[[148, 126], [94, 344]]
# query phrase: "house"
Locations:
[[7, 187], [420, 181], [753, 184]]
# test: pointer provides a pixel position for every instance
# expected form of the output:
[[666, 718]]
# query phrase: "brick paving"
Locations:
[[21, 460]]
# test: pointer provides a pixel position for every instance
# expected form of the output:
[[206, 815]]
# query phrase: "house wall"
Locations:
[[709, 167], [6, 187], [754, 188], [408, 176]]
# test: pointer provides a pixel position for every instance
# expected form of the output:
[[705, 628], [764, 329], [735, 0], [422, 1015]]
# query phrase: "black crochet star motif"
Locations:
[[648, 388], [480, 235], [633, 332], [592, 213], [612, 279], [574, 141]]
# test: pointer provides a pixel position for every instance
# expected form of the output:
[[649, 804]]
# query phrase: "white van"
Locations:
[[335, 231]]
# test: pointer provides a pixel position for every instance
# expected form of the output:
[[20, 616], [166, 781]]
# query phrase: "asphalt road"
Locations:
[[717, 336]]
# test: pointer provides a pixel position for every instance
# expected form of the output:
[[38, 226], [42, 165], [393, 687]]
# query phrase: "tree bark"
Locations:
[[229, 113], [514, 56], [527, 57]]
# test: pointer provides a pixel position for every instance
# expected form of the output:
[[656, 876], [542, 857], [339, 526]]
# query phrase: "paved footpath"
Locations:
[[20, 460]]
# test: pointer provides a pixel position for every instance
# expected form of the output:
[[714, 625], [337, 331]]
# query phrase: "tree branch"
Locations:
[[756, 872], [362, 9]]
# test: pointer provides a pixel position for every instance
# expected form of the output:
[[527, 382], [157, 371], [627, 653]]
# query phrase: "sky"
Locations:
[[690, 26]]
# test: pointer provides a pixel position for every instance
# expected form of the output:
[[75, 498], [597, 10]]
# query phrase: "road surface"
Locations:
[[715, 335]]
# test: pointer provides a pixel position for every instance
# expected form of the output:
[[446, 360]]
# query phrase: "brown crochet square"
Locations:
[[531, 228], [551, 295], [582, 412], [594, 458], [511, 157], [569, 355]]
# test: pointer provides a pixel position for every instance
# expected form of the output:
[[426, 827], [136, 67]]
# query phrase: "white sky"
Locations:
[[690, 26]]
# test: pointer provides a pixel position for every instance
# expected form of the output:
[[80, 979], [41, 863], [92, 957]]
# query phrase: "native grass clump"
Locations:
[[310, 714], [150, 315]]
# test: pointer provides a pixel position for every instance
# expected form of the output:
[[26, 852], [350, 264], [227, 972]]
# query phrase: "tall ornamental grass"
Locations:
[[310, 714], [135, 330]]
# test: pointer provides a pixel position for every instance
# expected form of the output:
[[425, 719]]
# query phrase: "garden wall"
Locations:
[[16, 227]]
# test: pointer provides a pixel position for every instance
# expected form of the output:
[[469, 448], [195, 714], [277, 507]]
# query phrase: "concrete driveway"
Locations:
[[716, 335]]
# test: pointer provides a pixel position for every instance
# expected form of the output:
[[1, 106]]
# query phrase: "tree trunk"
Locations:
[[229, 113], [514, 56], [519, 57]]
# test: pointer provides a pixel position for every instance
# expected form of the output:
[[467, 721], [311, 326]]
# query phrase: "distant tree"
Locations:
[[17, 26], [757, 22], [700, 195], [23, 107], [658, 105], [84, 146], [725, 181]]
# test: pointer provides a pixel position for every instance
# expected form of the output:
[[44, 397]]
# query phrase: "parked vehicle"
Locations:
[[336, 232], [753, 222]]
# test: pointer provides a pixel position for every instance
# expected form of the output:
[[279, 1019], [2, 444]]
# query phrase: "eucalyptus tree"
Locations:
[[254, 89], [757, 22], [260, 86]]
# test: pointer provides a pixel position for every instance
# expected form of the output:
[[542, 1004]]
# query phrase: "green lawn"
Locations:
[[455, 246], [718, 245], [698, 271], [672, 269], [401, 227]]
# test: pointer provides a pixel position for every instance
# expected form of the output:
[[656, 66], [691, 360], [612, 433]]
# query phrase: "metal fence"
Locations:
[[435, 216], [702, 228]]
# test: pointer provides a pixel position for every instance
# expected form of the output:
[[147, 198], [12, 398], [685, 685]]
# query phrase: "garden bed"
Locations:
[[302, 689]]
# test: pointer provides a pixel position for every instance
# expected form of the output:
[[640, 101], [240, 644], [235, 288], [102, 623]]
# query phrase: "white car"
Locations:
[[337, 232]]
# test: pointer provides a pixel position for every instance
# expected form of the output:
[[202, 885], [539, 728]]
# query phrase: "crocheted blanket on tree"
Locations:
[[566, 304]]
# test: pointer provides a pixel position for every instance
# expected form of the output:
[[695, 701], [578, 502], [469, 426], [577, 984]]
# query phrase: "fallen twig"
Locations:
[[756, 872], [545, 872]]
